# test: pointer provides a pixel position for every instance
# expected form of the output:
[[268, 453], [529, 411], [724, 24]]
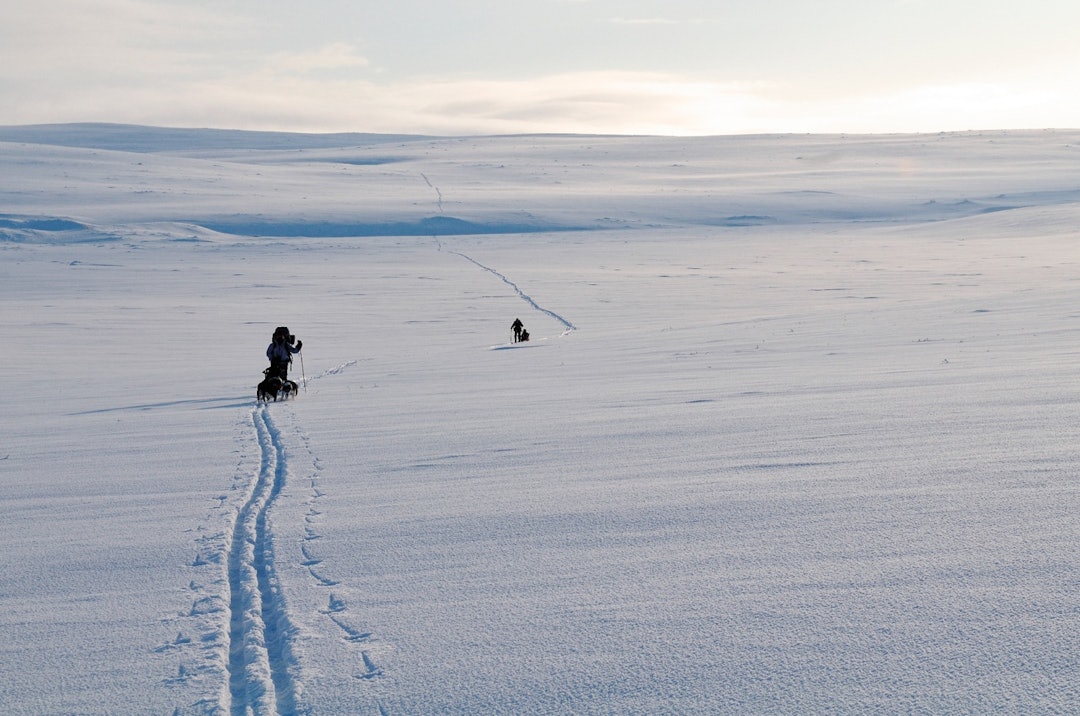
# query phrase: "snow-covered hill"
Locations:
[[793, 433]]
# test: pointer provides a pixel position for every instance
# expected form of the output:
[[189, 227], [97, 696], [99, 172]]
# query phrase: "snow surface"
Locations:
[[796, 431]]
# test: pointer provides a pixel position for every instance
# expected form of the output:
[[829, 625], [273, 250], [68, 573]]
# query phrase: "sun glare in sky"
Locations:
[[682, 67]]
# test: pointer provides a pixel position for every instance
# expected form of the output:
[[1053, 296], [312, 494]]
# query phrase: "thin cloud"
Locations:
[[335, 56], [653, 21], [332, 88], [643, 21], [68, 42]]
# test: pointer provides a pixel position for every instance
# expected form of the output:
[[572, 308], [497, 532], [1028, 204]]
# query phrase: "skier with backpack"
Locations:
[[280, 352]]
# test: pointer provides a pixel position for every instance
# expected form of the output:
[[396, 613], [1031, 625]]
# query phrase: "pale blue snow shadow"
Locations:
[[205, 403], [515, 346]]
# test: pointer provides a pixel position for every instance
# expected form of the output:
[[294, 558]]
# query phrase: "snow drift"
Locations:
[[792, 435]]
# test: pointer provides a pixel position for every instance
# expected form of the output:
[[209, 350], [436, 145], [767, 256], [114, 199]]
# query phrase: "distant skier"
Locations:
[[280, 352], [517, 326]]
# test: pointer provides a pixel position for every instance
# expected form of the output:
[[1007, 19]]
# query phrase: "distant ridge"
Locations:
[[144, 139]]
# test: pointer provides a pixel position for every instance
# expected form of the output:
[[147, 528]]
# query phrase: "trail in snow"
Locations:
[[437, 192], [337, 610], [524, 296], [260, 680], [335, 370], [517, 289]]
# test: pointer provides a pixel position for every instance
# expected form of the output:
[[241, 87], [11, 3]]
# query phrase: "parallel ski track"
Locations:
[[260, 681]]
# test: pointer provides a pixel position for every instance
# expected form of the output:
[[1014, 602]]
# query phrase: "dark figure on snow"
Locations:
[[280, 352], [524, 335], [517, 326]]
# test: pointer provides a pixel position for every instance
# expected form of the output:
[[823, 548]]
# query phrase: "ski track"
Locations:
[[204, 657], [248, 623], [567, 325], [335, 370], [439, 201], [261, 664], [524, 296], [243, 651]]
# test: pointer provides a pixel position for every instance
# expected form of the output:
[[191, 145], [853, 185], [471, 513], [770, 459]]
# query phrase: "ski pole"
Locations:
[[303, 377]]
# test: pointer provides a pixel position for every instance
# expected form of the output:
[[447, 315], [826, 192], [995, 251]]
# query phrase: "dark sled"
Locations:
[[274, 388]]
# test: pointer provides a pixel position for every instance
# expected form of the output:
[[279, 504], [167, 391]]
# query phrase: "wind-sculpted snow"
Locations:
[[283, 186], [134, 138], [427, 226], [811, 449], [48, 229]]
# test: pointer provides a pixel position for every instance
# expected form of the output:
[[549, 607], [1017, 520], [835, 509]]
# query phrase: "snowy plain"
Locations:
[[795, 432]]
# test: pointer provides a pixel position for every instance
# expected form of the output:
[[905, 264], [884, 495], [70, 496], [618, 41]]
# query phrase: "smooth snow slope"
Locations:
[[795, 432]]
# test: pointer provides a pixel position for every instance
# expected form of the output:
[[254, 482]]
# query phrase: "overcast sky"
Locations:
[[508, 66]]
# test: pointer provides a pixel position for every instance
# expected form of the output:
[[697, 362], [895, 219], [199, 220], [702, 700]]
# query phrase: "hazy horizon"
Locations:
[[681, 67]]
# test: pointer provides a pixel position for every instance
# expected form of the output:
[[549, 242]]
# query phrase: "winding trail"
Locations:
[[567, 325], [437, 192], [260, 680]]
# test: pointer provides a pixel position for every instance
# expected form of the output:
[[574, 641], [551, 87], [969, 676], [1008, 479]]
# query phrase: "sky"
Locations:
[[453, 67]]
